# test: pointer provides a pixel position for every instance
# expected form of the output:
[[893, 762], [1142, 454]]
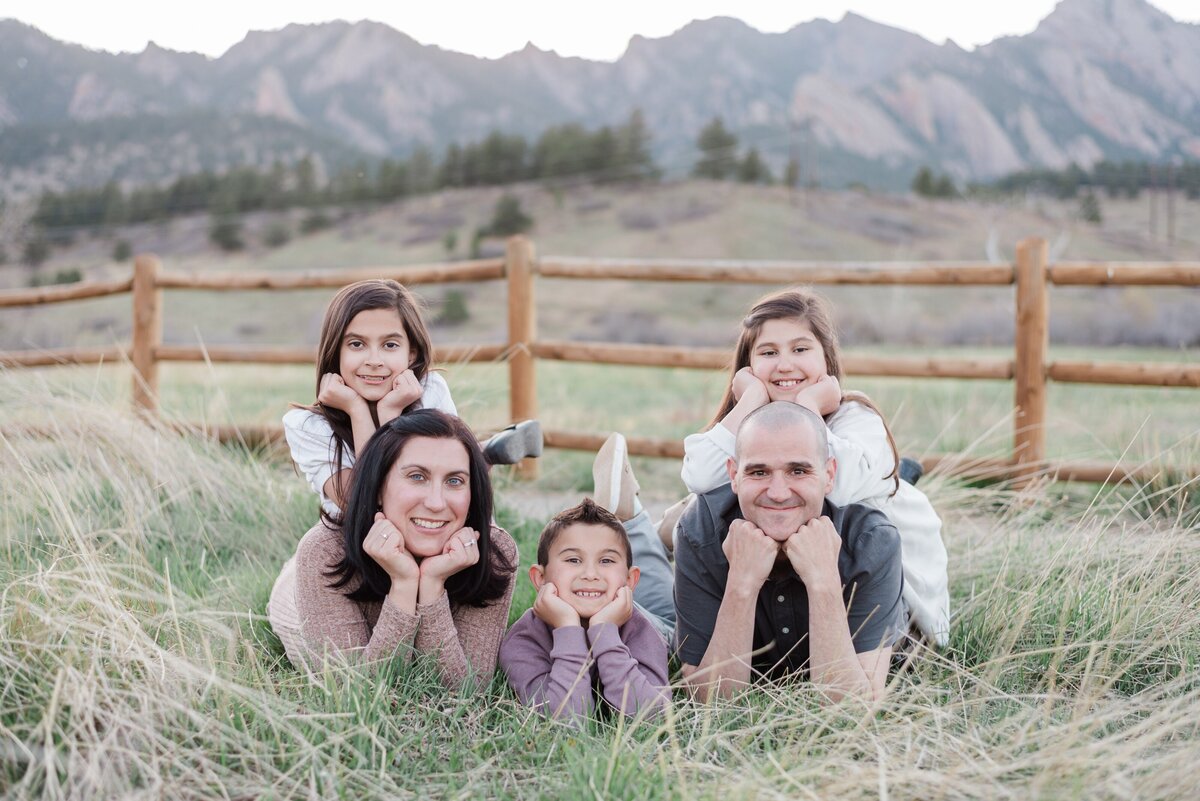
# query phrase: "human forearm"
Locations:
[[630, 683], [362, 425], [833, 664], [725, 667]]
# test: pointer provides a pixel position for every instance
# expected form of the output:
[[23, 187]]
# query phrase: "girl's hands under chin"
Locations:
[[823, 397], [460, 552], [749, 386], [334, 393], [406, 389]]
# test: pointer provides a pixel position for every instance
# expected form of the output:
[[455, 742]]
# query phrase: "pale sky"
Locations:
[[491, 28]]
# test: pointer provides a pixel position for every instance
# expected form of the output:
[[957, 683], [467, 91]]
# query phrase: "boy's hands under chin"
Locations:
[[617, 611], [553, 610], [823, 397], [406, 389]]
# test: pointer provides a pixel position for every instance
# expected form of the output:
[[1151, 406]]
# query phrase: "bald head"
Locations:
[[779, 418], [782, 469]]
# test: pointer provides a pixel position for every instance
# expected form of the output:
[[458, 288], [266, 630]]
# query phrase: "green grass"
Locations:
[[135, 659]]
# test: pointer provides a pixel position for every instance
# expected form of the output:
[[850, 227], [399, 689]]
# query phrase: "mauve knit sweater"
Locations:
[[314, 620]]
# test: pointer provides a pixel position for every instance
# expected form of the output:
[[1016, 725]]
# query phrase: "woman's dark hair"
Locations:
[[803, 304], [346, 304], [484, 581]]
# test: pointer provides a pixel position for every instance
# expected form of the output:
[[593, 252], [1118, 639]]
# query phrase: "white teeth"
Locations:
[[589, 593], [429, 524], [787, 383]]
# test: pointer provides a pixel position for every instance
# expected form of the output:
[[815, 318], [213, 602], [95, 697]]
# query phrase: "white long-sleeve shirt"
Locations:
[[310, 438], [858, 440]]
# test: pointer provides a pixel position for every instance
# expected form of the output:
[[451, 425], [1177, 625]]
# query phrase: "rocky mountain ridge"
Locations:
[[853, 99]]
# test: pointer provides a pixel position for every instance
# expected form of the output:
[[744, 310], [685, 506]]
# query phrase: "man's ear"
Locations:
[[831, 472], [537, 574], [731, 468], [635, 573]]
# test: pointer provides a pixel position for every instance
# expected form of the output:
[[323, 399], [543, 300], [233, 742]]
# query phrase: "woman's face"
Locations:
[[787, 357], [427, 493]]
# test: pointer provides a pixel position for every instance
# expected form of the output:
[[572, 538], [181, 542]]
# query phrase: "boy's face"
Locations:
[[587, 565]]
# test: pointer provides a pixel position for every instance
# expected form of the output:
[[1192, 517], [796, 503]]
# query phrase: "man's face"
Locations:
[[780, 476]]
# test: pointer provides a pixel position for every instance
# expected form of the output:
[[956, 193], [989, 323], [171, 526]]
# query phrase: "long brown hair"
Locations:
[[357, 573], [811, 309], [346, 304]]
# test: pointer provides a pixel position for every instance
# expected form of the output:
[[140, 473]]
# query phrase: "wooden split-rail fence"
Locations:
[[1029, 368]]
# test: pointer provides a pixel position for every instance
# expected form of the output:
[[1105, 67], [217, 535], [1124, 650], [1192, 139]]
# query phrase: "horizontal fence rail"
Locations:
[[760, 272], [1030, 370]]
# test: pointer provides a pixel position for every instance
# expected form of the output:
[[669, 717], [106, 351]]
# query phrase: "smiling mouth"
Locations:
[[372, 379], [429, 525], [788, 383], [589, 593]]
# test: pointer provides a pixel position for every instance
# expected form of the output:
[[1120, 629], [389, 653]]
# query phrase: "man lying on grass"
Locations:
[[771, 579]]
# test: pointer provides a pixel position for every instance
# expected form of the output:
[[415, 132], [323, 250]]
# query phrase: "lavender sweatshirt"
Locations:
[[553, 669]]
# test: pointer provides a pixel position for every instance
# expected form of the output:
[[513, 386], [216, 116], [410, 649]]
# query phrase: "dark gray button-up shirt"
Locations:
[[869, 564]]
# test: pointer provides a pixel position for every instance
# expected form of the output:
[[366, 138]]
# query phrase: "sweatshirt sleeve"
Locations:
[[467, 640], [633, 675], [858, 440], [705, 456], [310, 440], [332, 623], [436, 394], [555, 682]]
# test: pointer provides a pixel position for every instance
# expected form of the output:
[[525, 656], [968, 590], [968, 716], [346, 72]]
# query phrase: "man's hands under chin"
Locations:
[[813, 553]]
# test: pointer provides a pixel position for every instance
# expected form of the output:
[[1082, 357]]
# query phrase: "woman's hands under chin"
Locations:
[[460, 552], [385, 544]]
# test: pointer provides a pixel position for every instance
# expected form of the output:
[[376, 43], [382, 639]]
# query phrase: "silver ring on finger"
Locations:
[[384, 535]]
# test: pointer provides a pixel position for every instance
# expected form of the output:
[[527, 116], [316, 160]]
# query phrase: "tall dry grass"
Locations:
[[135, 661]]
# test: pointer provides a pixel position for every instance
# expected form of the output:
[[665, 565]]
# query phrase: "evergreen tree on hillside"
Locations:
[[753, 170], [718, 152], [922, 183], [791, 174], [508, 217], [634, 161]]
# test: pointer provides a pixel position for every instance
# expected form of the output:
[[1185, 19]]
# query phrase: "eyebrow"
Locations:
[[802, 338], [573, 549], [352, 335], [427, 470], [763, 466]]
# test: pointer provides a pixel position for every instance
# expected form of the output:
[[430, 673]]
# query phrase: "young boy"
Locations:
[[583, 629]]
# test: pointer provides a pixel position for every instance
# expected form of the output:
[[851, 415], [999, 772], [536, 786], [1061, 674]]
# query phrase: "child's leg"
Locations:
[[616, 490]]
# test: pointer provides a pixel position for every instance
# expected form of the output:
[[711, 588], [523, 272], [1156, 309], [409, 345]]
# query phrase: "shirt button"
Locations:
[[780, 599], [786, 630]]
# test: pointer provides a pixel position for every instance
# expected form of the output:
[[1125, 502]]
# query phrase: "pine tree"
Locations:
[[753, 170], [718, 152]]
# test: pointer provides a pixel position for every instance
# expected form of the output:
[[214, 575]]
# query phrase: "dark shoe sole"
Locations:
[[514, 443]]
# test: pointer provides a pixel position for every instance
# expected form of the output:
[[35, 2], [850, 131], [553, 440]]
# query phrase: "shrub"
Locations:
[[226, 232], [277, 234], [316, 221], [454, 308], [36, 251]]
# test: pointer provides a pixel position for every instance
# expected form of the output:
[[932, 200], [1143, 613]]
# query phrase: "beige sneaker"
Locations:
[[666, 526], [612, 476]]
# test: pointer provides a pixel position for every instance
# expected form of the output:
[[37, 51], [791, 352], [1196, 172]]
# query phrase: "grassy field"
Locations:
[[135, 660]]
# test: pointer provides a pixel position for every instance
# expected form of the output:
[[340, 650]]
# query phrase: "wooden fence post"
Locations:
[[522, 333], [147, 332], [1032, 341]]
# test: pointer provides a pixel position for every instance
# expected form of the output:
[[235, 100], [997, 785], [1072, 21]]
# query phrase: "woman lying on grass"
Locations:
[[414, 563]]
